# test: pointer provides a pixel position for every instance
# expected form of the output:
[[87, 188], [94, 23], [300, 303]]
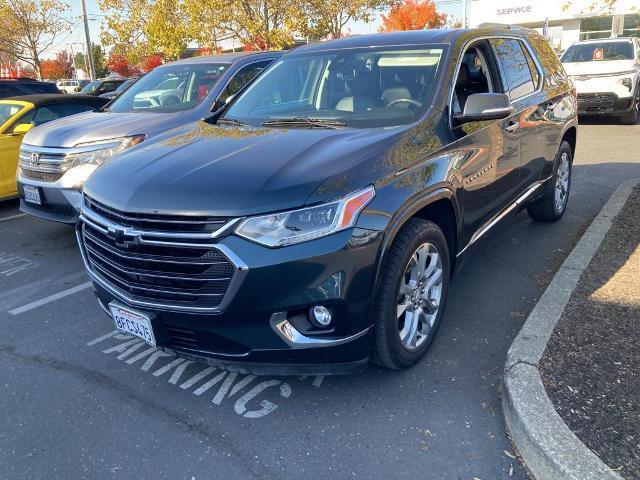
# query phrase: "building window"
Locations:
[[596, 27], [631, 26]]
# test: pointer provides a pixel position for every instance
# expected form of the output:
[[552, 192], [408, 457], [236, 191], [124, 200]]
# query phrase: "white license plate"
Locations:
[[31, 194], [133, 323]]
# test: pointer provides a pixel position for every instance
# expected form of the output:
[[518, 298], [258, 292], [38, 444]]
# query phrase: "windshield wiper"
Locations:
[[304, 122], [232, 121]]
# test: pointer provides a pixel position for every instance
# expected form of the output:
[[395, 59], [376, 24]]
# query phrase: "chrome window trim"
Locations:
[[236, 280], [452, 88]]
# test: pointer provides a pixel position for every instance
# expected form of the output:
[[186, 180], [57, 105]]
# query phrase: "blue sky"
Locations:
[[71, 40]]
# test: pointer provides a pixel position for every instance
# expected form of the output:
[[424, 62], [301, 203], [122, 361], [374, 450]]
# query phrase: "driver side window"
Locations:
[[474, 76]]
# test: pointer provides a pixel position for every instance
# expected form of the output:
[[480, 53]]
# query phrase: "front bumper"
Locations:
[[278, 285], [605, 95], [61, 199]]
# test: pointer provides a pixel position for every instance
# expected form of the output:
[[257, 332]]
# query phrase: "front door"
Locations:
[[489, 152]]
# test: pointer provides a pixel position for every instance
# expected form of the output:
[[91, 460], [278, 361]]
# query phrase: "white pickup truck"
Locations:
[[606, 73]]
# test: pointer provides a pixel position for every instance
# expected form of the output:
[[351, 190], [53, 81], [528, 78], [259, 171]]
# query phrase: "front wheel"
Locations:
[[633, 117], [551, 206], [411, 296]]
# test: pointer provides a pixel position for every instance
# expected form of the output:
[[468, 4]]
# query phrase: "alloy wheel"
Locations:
[[420, 296], [562, 183]]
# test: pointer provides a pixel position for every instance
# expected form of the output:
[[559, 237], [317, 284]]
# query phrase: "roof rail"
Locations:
[[505, 26]]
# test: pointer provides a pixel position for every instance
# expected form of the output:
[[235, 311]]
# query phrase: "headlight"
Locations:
[[97, 153], [296, 226]]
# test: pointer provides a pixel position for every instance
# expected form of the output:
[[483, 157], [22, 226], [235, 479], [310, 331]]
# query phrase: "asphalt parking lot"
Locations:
[[80, 401]]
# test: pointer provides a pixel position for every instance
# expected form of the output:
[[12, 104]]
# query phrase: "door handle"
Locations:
[[512, 127]]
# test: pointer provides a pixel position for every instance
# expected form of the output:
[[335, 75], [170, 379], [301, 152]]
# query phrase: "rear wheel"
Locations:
[[411, 296], [551, 206]]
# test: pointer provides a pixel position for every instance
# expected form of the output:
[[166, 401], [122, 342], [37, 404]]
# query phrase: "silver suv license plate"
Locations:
[[133, 323]]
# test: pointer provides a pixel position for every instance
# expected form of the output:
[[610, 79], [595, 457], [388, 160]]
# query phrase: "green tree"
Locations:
[[30, 28], [327, 18], [258, 24], [99, 60], [137, 27]]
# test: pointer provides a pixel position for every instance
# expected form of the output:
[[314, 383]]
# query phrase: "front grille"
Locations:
[[168, 274], [157, 222], [597, 102], [41, 176], [43, 164]]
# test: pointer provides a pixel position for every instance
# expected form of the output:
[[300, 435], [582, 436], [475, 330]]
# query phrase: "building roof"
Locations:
[[53, 98]]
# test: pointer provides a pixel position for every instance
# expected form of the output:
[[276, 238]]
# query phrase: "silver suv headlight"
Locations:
[[296, 226], [97, 153]]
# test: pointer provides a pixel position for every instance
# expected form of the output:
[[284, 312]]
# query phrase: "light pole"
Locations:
[[92, 71]]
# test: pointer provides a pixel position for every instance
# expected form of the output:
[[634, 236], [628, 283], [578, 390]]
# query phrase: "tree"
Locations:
[[30, 27], [151, 62], [51, 70], [327, 18], [413, 15], [119, 64], [259, 24], [99, 61], [135, 27]]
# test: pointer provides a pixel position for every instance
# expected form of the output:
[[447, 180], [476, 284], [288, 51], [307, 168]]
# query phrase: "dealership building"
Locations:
[[563, 21]]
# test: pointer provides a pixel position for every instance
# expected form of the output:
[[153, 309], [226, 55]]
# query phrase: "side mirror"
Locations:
[[22, 128], [481, 107]]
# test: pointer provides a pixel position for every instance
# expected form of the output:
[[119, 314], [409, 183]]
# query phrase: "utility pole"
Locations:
[[92, 71], [464, 13]]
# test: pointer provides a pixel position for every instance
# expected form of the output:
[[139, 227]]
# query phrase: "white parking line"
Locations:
[[12, 217], [50, 298]]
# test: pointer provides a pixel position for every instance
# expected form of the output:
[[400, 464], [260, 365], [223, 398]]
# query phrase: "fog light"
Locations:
[[321, 316], [627, 83]]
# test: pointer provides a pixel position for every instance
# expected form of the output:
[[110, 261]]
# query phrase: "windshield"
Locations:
[[172, 88], [358, 88], [125, 85], [91, 87], [7, 111], [598, 52]]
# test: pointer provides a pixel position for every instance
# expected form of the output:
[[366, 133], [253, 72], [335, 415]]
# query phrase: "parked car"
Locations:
[[123, 86], [70, 85], [18, 115], [100, 86], [77, 146], [13, 87], [606, 74], [317, 218]]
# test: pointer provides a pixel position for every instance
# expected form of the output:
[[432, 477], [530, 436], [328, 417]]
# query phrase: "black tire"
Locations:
[[389, 350], [633, 117], [544, 209]]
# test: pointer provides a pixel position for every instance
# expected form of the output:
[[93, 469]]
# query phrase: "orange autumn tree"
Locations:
[[413, 15]]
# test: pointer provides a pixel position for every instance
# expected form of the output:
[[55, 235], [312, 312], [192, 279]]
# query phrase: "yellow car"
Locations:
[[18, 115]]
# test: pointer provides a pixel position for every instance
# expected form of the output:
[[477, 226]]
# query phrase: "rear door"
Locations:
[[523, 80]]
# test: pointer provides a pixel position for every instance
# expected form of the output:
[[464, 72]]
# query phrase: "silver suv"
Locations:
[[57, 158]]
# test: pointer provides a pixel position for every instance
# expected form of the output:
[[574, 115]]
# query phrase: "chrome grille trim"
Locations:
[[142, 287], [165, 236]]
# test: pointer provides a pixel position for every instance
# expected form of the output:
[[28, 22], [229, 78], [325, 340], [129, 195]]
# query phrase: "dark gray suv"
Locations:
[[315, 222]]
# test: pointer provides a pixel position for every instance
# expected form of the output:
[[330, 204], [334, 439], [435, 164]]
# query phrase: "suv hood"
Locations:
[[203, 169], [93, 126], [600, 68]]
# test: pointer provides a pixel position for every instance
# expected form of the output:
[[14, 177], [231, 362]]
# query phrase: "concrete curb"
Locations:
[[547, 446]]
